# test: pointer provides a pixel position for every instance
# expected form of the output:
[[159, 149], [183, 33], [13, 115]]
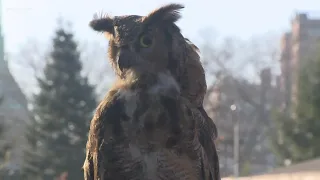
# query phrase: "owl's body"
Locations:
[[156, 40], [145, 130]]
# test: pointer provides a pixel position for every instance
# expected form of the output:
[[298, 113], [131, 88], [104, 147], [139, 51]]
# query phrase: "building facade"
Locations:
[[13, 111], [297, 47]]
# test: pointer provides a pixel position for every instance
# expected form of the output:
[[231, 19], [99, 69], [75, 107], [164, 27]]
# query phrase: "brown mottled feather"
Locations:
[[181, 57], [167, 13], [194, 87], [145, 134]]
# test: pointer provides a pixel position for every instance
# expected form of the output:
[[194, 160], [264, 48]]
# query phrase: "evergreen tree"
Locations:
[[3, 147], [298, 138], [62, 111]]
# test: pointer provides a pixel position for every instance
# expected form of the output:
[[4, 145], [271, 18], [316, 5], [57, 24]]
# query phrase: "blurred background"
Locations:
[[262, 62]]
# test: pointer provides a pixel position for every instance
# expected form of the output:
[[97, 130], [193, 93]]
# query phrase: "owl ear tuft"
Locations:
[[168, 13], [102, 23]]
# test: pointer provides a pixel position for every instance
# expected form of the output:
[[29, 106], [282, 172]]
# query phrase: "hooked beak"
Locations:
[[126, 59]]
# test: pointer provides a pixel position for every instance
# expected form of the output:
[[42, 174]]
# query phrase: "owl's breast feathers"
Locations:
[[143, 129]]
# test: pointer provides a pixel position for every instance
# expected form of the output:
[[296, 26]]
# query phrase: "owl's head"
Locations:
[[154, 39]]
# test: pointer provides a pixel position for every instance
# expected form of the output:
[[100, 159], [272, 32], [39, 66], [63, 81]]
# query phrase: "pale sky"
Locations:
[[35, 19]]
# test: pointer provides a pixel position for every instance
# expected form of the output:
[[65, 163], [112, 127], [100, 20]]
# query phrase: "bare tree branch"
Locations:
[[97, 67], [32, 58], [234, 60]]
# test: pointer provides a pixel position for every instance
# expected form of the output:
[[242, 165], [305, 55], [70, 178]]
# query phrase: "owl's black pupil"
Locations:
[[147, 41]]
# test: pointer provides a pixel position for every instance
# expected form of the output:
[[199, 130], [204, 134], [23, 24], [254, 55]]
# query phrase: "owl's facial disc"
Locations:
[[132, 31], [126, 59], [132, 54]]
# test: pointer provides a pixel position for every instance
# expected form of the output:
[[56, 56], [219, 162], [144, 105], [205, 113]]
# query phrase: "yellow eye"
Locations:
[[145, 41]]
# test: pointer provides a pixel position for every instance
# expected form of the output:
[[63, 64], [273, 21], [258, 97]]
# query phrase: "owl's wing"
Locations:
[[194, 87], [88, 165], [207, 135], [103, 128], [193, 80]]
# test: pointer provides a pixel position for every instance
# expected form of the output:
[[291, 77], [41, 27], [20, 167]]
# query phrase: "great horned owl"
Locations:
[[156, 39], [144, 130]]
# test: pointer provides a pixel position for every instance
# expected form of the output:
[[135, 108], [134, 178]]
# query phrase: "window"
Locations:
[[314, 32]]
